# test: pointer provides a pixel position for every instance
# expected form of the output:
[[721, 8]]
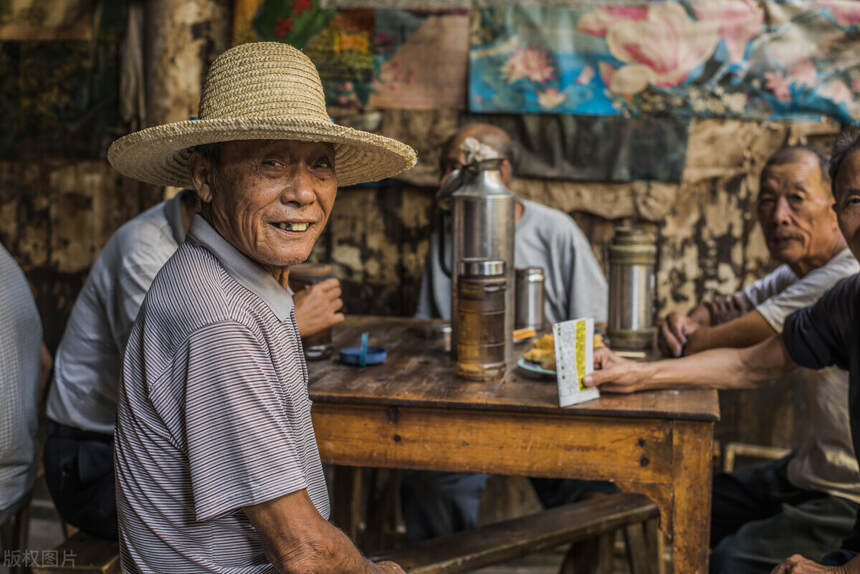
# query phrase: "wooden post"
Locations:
[[181, 39]]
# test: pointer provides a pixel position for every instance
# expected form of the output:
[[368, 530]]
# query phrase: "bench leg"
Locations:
[[638, 556], [593, 556]]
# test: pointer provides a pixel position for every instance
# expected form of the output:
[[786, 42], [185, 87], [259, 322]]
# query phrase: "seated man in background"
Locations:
[[808, 501], [82, 400], [24, 366], [437, 503]]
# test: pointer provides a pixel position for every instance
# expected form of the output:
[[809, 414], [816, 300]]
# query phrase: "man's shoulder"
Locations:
[[143, 240], [190, 291], [547, 220]]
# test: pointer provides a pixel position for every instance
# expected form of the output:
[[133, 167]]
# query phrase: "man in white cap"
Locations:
[[217, 466]]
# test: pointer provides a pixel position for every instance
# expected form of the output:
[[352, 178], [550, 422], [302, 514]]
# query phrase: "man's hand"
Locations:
[[389, 568], [797, 564], [674, 333], [614, 374], [317, 307]]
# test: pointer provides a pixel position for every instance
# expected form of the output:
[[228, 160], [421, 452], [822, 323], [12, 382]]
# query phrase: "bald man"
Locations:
[[437, 503]]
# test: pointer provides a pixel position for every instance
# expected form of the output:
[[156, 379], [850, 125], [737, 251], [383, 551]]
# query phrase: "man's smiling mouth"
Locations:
[[293, 226]]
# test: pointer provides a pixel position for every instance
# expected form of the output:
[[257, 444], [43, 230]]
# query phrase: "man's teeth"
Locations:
[[293, 226]]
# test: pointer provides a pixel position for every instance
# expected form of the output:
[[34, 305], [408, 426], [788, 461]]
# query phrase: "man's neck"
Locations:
[[806, 265]]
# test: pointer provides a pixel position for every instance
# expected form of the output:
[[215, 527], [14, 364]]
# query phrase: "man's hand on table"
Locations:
[[674, 333], [389, 568], [797, 564], [615, 374], [318, 306]]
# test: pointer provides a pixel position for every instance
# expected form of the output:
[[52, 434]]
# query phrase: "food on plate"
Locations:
[[543, 351]]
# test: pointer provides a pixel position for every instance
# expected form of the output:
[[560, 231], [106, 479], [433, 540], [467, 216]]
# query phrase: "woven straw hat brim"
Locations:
[[159, 155]]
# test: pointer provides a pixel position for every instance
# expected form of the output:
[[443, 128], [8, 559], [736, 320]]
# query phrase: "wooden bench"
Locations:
[[512, 539], [82, 554]]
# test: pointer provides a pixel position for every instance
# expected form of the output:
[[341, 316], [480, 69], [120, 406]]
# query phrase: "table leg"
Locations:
[[691, 493]]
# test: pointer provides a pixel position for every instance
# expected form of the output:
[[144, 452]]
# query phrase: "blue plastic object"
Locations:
[[373, 356]]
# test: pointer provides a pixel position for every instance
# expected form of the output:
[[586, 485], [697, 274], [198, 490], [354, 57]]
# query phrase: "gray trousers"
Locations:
[[759, 519]]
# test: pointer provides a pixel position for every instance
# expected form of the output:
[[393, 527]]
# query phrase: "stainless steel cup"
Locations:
[[529, 298]]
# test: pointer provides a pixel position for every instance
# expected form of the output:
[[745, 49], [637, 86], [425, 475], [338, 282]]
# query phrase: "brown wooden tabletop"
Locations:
[[413, 412]]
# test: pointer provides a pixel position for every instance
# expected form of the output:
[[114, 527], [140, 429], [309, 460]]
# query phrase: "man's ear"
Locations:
[[202, 177]]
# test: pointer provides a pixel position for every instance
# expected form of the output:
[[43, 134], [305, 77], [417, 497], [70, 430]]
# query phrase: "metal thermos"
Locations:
[[481, 290], [529, 296], [483, 228], [632, 256]]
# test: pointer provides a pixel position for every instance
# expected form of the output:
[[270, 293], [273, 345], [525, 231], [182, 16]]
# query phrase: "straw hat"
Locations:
[[263, 90]]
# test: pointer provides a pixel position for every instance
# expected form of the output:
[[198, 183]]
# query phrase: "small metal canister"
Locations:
[[317, 346], [481, 326], [529, 296], [632, 256]]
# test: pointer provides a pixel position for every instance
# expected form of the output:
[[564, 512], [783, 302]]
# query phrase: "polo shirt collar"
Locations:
[[248, 273], [173, 213]]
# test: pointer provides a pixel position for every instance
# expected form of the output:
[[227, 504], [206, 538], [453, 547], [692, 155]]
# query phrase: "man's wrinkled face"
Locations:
[[846, 187], [272, 199], [793, 210]]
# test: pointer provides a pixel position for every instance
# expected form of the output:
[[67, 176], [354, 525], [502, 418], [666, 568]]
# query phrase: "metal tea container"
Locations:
[[480, 319], [632, 256], [529, 298], [483, 228]]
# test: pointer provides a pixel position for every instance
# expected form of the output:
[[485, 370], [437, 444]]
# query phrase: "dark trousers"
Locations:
[[80, 477], [759, 519], [440, 503]]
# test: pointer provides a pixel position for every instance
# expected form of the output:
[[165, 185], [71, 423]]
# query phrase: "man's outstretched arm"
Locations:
[[716, 368]]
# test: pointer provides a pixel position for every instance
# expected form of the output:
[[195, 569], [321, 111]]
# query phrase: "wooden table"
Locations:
[[413, 412]]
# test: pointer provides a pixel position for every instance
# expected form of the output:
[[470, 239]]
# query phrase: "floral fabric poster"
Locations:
[[731, 58], [379, 58]]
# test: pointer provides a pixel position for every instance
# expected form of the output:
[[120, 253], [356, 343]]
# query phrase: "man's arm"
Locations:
[[797, 564], [744, 331], [677, 330], [318, 307], [297, 539], [716, 368]]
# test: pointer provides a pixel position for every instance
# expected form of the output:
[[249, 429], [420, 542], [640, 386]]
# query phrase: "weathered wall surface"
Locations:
[[57, 209]]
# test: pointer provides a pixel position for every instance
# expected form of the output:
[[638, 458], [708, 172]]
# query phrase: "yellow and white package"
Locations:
[[574, 358]]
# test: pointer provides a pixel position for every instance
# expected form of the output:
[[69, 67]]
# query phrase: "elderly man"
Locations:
[[217, 466], [808, 501], [81, 407], [438, 503], [24, 365]]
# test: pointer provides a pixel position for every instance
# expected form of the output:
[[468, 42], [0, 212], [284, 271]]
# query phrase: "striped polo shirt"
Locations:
[[213, 413]]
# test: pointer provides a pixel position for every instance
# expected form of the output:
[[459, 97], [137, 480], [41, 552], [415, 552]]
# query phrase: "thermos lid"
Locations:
[[310, 270], [478, 267], [633, 236], [529, 274]]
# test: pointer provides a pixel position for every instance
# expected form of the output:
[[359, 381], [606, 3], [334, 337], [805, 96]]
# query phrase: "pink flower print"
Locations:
[[668, 44], [777, 83], [551, 98], [597, 22], [738, 21], [347, 86], [845, 12], [530, 63], [341, 99], [802, 73]]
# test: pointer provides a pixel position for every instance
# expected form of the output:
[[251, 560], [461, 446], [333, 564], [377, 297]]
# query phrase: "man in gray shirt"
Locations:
[[438, 503], [23, 363]]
